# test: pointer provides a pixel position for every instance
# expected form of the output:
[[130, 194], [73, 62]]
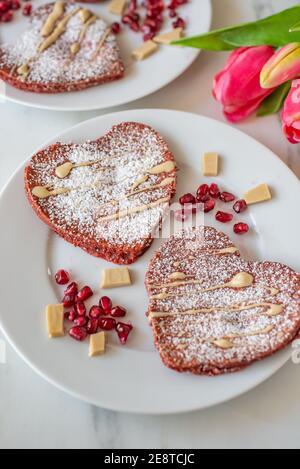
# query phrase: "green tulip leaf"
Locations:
[[274, 102], [276, 30]]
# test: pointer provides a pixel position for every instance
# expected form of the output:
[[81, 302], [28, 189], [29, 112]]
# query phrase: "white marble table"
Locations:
[[33, 414]]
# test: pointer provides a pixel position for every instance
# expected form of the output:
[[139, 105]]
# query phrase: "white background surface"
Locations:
[[34, 414]]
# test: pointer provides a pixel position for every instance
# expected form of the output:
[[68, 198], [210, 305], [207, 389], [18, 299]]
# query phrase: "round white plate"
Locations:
[[141, 79], [132, 378]]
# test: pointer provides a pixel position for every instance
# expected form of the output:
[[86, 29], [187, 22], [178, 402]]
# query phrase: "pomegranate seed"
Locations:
[[72, 315], [107, 324], [4, 7], [69, 300], [96, 312], [118, 312], [67, 315], [92, 326], [72, 289], [106, 304], [15, 5], [179, 23], [81, 321], [123, 331], [203, 189], [241, 228], [126, 19], [27, 9], [187, 199], [78, 333], [227, 197], [148, 36], [84, 294], [62, 277], [116, 28], [240, 206], [132, 5], [80, 309], [7, 17], [134, 26], [214, 191], [172, 13], [209, 205], [224, 217], [203, 193]]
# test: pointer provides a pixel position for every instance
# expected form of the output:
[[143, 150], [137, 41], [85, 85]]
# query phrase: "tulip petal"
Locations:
[[291, 114], [237, 86], [282, 67], [235, 115]]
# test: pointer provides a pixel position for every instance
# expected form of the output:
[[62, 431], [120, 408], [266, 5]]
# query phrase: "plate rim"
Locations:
[[285, 354], [98, 107]]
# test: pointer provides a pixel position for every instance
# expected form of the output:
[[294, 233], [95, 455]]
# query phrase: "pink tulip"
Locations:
[[237, 86], [291, 114]]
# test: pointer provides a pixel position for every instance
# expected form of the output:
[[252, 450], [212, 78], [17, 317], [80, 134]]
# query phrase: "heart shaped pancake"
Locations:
[[213, 312], [65, 48], [107, 196]]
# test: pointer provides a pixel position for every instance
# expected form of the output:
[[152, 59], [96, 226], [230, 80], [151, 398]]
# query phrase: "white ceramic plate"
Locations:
[[141, 78], [132, 378]]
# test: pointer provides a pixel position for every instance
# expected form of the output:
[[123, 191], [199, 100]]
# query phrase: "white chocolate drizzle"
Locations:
[[241, 280], [58, 31], [57, 12], [101, 42], [131, 211], [272, 310], [166, 167], [75, 48]]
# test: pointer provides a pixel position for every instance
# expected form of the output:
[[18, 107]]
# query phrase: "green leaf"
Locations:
[[273, 31], [274, 102]]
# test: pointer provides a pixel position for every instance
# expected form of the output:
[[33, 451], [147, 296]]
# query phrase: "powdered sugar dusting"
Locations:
[[185, 341], [101, 189], [56, 64]]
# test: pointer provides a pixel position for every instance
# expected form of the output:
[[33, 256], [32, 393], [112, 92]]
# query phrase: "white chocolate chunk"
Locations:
[[97, 344], [117, 7], [210, 164], [117, 277], [55, 320], [169, 37], [258, 194], [145, 50]]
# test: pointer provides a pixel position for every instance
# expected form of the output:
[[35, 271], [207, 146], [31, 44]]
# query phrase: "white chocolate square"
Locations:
[[258, 194], [145, 50], [116, 277], [169, 37], [117, 7], [97, 344], [55, 320], [210, 164]]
